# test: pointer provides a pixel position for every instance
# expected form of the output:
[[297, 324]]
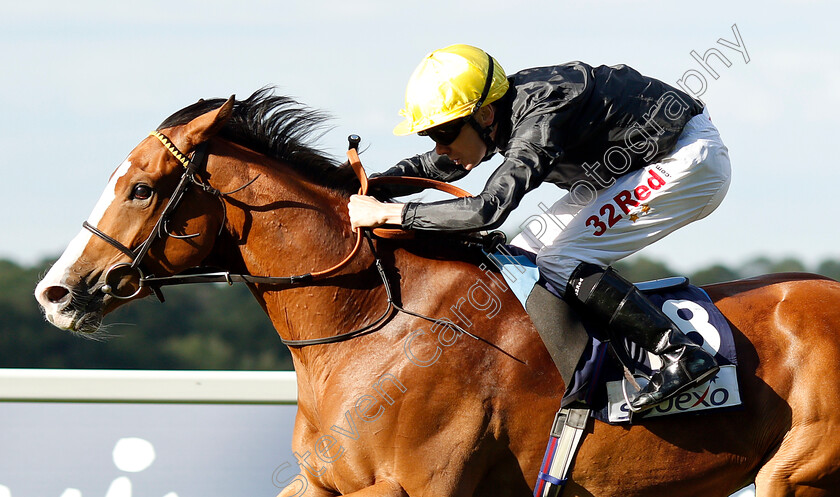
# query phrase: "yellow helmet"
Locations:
[[450, 83]]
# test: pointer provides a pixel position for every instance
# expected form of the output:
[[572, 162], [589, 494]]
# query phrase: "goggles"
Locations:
[[446, 133]]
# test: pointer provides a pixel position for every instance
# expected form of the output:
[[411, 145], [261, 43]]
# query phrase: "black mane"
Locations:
[[278, 127]]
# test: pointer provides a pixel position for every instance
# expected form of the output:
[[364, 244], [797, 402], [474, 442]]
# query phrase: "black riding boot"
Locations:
[[627, 312]]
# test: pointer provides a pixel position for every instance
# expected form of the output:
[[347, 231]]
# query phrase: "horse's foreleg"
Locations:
[[382, 488], [296, 489]]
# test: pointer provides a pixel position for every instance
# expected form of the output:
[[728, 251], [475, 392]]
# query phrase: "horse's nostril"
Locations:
[[57, 294]]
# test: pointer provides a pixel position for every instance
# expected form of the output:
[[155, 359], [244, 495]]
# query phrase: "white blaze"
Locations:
[[61, 269]]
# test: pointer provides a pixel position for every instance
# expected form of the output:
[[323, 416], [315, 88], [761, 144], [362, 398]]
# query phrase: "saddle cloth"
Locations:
[[597, 380]]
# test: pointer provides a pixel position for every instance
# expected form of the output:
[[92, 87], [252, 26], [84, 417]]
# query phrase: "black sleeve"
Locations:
[[429, 165], [525, 166]]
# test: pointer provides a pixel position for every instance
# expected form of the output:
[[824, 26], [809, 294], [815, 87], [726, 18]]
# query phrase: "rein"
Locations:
[[371, 327], [191, 167]]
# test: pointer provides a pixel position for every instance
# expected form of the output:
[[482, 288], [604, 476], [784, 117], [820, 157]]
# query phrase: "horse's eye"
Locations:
[[141, 192]]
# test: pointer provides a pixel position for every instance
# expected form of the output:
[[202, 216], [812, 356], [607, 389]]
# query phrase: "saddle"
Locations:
[[598, 369], [601, 370]]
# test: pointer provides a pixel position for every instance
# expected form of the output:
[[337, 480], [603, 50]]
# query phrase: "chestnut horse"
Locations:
[[415, 408]]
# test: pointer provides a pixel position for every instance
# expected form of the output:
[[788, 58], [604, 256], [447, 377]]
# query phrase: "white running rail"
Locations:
[[147, 386]]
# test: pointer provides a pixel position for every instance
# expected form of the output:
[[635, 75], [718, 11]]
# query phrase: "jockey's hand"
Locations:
[[367, 212]]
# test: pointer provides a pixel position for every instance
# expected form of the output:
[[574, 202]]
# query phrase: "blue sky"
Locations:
[[83, 82]]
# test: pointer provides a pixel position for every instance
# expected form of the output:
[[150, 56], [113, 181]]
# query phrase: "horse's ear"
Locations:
[[205, 126]]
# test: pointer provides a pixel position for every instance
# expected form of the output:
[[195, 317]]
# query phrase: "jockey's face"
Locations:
[[468, 149]]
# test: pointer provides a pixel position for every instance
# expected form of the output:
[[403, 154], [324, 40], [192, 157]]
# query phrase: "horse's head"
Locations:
[[138, 226]]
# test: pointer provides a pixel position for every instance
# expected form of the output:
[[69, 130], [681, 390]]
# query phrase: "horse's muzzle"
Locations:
[[71, 309]]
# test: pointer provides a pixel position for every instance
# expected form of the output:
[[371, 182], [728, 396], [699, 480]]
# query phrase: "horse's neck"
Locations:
[[283, 225]]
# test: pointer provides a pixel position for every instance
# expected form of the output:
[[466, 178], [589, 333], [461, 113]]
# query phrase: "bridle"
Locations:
[[188, 178], [192, 165]]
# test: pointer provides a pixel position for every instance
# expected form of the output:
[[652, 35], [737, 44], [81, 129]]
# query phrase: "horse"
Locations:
[[412, 407]]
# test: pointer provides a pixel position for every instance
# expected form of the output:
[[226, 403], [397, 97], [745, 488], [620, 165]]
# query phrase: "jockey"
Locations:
[[638, 158]]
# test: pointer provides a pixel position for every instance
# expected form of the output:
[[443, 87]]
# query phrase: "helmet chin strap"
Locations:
[[484, 132]]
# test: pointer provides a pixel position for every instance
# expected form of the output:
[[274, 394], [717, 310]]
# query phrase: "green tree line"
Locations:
[[198, 327], [219, 326]]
